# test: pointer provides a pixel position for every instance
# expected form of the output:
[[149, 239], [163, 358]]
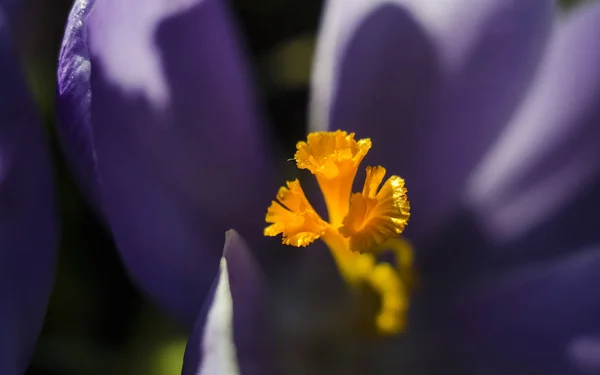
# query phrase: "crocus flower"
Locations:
[[487, 110], [28, 233]]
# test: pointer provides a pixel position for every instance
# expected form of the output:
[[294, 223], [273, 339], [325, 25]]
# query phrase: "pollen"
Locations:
[[331, 154], [294, 217], [334, 158], [359, 225], [376, 216]]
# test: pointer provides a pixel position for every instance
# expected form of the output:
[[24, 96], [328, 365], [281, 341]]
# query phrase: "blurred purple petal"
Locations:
[[231, 335], [431, 83], [527, 319], [28, 223], [584, 353], [7, 7], [549, 156], [356, 33], [158, 119]]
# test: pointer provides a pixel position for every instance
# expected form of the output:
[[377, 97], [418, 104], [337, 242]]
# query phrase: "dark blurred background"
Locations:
[[98, 322]]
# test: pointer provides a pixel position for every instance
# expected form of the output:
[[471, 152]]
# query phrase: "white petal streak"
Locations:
[[512, 217], [218, 348], [123, 40], [552, 115]]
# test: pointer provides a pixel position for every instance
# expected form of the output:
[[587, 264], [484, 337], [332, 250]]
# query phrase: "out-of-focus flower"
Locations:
[[28, 222], [164, 137], [488, 110]]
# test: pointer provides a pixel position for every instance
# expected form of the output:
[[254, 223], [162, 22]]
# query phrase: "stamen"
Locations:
[[360, 225], [375, 217], [298, 221], [402, 251], [389, 284], [329, 154], [333, 157], [386, 282]]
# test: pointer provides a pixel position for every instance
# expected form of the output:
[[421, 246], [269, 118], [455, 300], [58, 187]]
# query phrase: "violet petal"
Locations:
[[528, 318], [28, 217], [8, 7], [158, 119], [548, 160], [231, 335]]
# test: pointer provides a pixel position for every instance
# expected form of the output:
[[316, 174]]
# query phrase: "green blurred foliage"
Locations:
[[98, 323]]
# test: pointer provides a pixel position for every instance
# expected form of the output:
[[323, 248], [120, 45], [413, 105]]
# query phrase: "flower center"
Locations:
[[360, 225]]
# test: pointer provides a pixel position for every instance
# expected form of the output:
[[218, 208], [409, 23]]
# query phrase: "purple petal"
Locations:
[[28, 228], [158, 120], [584, 353], [8, 7], [432, 83], [231, 334], [527, 319], [548, 159]]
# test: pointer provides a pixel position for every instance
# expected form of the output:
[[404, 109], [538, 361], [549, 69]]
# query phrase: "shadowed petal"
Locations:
[[231, 335], [548, 159], [526, 320], [28, 233], [159, 122], [7, 7], [432, 83], [317, 320]]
